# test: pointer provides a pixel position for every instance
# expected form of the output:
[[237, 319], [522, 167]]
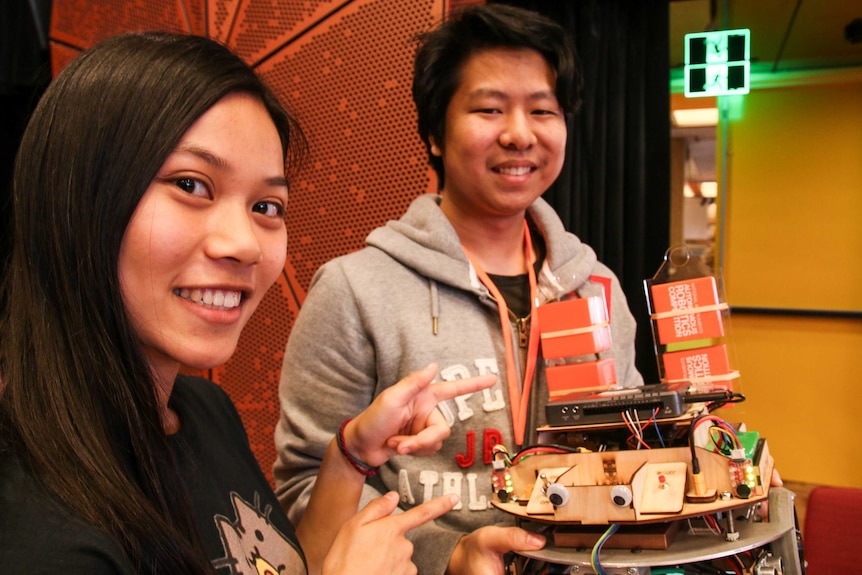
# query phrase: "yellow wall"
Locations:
[[795, 198], [793, 240]]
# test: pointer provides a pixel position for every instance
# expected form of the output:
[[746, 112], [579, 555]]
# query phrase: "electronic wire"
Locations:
[[632, 421], [510, 460], [594, 555], [734, 397], [727, 432], [658, 431]]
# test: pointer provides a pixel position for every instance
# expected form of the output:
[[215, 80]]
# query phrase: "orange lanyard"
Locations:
[[520, 401]]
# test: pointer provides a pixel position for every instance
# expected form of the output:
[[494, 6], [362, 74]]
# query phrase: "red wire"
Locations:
[[639, 435]]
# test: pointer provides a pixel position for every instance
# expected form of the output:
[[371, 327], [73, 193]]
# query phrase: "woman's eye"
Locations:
[[269, 209], [192, 186]]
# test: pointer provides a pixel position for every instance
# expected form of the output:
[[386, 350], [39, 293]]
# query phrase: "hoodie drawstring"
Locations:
[[435, 305]]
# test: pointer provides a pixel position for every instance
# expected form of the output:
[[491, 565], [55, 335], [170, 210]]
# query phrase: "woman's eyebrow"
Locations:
[[205, 155], [278, 181], [218, 162]]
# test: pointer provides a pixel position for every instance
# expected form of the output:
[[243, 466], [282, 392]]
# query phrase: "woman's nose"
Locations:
[[233, 235]]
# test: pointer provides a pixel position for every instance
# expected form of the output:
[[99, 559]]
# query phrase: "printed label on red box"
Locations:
[[672, 302], [684, 294], [696, 364], [584, 376], [690, 326]]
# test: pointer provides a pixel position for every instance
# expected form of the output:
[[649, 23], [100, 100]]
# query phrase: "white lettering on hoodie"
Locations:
[[453, 481], [492, 398]]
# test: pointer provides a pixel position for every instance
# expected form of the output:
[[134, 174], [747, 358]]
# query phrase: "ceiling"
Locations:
[[786, 35], [791, 42]]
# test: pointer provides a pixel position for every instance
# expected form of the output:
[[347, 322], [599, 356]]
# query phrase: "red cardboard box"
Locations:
[[574, 327], [578, 377], [672, 302], [588, 343], [696, 364]]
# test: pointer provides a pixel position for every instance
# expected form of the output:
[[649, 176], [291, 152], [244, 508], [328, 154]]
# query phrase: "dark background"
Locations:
[[24, 73]]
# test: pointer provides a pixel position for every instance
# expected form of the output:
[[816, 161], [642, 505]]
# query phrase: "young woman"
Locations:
[[149, 197]]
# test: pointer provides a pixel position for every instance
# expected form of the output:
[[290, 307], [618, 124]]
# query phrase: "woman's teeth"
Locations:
[[215, 298]]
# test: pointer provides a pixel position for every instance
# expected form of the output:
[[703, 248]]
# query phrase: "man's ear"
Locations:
[[435, 149]]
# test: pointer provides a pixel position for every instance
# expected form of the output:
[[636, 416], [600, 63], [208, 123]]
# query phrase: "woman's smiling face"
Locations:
[[207, 239]]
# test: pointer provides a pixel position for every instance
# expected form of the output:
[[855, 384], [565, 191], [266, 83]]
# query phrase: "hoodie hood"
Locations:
[[425, 241]]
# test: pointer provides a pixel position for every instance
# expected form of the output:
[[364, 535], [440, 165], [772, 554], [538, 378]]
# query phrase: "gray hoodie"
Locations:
[[369, 320]]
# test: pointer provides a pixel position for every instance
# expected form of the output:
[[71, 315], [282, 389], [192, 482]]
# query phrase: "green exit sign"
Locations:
[[717, 63]]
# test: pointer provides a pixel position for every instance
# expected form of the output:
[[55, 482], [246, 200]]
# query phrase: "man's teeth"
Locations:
[[515, 171], [219, 299]]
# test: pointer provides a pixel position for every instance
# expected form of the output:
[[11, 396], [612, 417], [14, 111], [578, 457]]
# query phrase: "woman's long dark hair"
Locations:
[[78, 407]]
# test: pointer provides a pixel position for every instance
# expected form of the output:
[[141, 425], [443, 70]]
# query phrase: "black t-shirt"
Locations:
[[242, 525], [516, 289]]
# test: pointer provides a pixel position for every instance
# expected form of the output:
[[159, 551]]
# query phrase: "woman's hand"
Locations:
[[374, 541], [481, 552], [404, 419]]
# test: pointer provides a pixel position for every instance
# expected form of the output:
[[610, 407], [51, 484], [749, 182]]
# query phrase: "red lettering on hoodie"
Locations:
[[490, 438], [466, 460]]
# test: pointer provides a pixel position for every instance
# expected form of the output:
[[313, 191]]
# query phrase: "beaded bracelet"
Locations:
[[358, 464]]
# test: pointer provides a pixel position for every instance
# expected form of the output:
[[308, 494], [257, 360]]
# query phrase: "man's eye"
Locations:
[[191, 186], [269, 209]]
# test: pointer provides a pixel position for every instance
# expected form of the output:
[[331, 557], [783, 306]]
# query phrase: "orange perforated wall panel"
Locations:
[[344, 68]]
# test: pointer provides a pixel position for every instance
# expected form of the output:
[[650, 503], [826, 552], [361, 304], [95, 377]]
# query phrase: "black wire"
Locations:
[[565, 448], [733, 398], [786, 36], [695, 464]]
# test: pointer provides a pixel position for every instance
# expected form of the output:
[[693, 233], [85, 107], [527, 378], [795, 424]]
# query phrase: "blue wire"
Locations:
[[657, 431]]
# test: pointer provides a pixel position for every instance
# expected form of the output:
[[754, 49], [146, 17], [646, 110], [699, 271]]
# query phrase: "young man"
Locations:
[[455, 281]]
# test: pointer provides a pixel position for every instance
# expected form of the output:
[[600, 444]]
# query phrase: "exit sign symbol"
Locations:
[[717, 63]]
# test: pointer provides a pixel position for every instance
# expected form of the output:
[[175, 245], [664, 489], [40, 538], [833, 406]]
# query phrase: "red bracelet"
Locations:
[[358, 464]]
